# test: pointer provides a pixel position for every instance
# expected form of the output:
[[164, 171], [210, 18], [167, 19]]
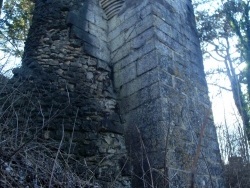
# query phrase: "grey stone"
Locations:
[[149, 61], [125, 75], [129, 90], [103, 65], [90, 75]]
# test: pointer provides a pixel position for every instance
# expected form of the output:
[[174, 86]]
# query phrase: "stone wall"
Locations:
[[128, 80], [67, 76], [161, 82]]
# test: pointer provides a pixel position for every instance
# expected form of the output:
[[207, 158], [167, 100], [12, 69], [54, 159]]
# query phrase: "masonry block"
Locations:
[[128, 80], [125, 75], [147, 62], [141, 82]]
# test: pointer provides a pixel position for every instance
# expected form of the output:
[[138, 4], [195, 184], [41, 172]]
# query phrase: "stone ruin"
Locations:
[[126, 80]]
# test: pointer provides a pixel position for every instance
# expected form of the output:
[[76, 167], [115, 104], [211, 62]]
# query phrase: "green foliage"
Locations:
[[237, 15], [230, 19], [14, 25], [225, 36]]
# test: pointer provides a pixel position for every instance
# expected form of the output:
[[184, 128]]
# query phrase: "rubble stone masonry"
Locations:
[[126, 80]]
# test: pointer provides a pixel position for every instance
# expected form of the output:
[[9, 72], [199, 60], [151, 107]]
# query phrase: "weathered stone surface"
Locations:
[[128, 87], [166, 53]]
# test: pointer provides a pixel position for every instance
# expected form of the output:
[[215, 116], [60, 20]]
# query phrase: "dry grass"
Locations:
[[28, 158]]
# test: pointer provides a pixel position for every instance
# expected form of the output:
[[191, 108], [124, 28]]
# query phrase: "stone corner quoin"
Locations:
[[130, 76]]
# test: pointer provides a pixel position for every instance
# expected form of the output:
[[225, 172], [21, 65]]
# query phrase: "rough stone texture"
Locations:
[[68, 79], [161, 83], [136, 78]]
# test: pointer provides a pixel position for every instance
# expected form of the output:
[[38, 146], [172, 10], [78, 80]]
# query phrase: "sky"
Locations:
[[224, 110], [226, 117], [8, 62], [222, 101]]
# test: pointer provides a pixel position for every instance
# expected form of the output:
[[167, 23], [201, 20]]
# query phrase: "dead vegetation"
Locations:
[[28, 157]]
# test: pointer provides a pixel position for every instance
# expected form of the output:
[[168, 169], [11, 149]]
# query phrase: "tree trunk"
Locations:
[[248, 71], [239, 100], [1, 5]]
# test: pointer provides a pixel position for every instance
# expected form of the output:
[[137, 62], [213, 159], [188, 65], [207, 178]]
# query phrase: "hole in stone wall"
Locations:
[[111, 7]]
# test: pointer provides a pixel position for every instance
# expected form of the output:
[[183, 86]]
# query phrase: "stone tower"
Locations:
[[132, 73]]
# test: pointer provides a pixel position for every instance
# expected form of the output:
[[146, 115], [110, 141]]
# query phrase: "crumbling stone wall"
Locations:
[[128, 80], [67, 75]]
